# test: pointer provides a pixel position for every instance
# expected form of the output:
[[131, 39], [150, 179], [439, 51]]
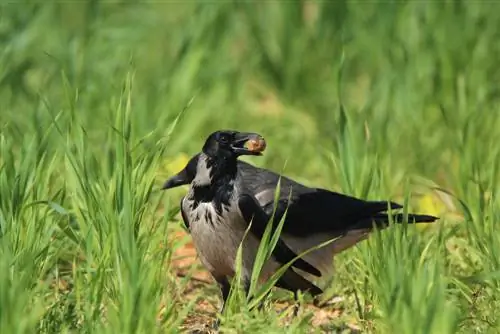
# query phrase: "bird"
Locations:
[[226, 194]]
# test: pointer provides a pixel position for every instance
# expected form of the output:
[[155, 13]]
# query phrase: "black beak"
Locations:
[[246, 143], [180, 179]]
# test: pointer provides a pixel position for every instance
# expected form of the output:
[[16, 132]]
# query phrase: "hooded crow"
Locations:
[[225, 194]]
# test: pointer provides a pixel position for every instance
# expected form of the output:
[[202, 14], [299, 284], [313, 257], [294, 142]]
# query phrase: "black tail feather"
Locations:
[[382, 220], [416, 218]]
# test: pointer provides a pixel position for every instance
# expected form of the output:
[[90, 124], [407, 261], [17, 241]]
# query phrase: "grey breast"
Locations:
[[217, 237]]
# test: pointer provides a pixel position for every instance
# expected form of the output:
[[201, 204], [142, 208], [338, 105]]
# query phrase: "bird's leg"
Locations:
[[225, 288], [246, 286], [316, 302], [261, 304], [296, 304]]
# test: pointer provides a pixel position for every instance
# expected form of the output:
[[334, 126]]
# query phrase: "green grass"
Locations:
[[381, 100]]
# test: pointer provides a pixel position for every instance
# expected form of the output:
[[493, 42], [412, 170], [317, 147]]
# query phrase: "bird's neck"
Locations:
[[218, 185]]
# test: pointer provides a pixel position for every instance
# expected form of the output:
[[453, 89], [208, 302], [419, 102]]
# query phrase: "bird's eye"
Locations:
[[224, 139]]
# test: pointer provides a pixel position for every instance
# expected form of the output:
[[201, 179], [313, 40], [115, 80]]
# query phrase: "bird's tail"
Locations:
[[381, 220], [322, 258]]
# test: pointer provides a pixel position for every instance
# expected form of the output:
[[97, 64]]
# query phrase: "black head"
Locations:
[[223, 144], [227, 144]]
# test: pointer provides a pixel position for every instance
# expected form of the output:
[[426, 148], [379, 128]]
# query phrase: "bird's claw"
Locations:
[[216, 324], [295, 310]]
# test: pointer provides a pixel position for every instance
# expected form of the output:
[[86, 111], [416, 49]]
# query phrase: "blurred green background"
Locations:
[[414, 74], [374, 99]]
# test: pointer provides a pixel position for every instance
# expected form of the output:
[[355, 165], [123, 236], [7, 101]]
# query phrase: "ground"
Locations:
[[185, 259]]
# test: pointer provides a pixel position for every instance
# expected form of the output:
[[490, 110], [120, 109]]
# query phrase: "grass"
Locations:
[[102, 101]]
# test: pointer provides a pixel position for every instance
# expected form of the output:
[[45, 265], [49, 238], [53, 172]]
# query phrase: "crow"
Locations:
[[226, 194]]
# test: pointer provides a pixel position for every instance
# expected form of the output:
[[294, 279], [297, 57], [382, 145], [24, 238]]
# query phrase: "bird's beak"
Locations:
[[248, 144], [179, 179]]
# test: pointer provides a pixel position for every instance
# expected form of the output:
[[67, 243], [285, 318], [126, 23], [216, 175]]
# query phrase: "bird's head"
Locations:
[[220, 144], [232, 144]]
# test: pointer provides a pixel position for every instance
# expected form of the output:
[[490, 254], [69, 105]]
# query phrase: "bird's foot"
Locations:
[[317, 303], [295, 308], [260, 306], [216, 324]]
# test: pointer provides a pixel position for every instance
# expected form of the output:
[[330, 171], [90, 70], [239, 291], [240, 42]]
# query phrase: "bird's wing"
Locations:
[[324, 211], [315, 210], [252, 212], [310, 210], [183, 214], [262, 183]]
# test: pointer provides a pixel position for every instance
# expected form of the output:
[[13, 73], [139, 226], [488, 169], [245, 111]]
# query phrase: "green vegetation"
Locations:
[[101, 102]]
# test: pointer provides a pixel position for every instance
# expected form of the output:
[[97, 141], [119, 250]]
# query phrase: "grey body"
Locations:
[[218, 237]]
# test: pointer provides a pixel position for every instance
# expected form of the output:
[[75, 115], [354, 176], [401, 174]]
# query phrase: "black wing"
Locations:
[[310, 210], [320, 211], [251, 211], [184, 216], [262, 183]]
